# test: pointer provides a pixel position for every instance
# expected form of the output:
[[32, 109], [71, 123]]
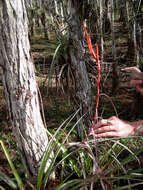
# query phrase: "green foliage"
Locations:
[[106, 163], [7, 180], [95, 165], [15, 173], [53, 63], [54, 142], [140, 63], [111, 165]]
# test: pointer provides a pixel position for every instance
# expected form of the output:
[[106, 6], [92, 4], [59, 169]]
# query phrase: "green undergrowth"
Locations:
[[112, 163], [40, 44], [108, 164]]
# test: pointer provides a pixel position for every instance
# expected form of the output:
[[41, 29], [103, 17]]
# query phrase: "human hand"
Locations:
[[137, 77], [138, 84], [134, 72], [113, 127]]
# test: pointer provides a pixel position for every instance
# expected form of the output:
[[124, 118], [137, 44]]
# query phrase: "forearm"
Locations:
[[138, 127]]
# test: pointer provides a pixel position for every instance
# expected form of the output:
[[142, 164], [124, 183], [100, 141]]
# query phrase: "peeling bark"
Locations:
[[20, 87]]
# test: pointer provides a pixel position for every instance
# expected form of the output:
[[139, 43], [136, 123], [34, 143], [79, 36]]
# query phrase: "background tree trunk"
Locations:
[[114, 66], [101, 32], [76, 52], [20, 87]]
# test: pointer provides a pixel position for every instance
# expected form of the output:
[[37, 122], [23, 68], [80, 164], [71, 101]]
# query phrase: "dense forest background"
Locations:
[[67, 77]]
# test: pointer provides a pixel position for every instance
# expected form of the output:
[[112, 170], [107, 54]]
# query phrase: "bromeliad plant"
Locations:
[[74, 164], [114, 171]]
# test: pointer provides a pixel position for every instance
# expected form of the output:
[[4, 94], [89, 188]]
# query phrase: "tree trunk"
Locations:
[[76, 51], [44, 23], [101, 32], [107, 17], [20, 87], [114, 66]]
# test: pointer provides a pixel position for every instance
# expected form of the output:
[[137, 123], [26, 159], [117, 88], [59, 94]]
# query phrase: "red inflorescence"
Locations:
[[96, 57]]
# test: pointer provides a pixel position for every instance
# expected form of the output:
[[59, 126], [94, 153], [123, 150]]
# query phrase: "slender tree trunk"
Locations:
[[56, 7], [127, 18], [123, 15], [127, 11], [107, 17], [101, 31], [134, 34], [77, 51], [20, 87], [114, 67], [140, 44], [136, 57], [44, 23], [62, 11], [113, 32], [32, 24]]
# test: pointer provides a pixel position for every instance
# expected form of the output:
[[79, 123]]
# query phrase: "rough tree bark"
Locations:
[[20, 87], [77, 52], [114, 66], [101, 32]]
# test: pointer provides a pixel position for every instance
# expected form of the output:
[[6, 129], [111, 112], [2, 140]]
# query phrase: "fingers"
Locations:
[[140, 89], [107, 128], [101, 123], [112, 127], [136, 82], [106, 134], [104, 122]]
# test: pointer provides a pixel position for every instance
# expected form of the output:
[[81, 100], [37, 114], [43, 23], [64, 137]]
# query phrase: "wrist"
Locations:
[[137, 128]]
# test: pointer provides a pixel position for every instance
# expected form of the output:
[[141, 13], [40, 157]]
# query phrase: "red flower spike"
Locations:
[[96, 57], [89, 42], [98, 81]]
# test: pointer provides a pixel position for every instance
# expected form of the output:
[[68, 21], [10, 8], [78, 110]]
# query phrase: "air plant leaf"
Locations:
[[7, 180], [53, 64], [71, 184], [2, 188], [41, 179], [15, 173]]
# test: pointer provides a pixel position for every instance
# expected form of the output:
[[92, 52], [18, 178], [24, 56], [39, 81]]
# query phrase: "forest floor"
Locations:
[[58, 106]]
